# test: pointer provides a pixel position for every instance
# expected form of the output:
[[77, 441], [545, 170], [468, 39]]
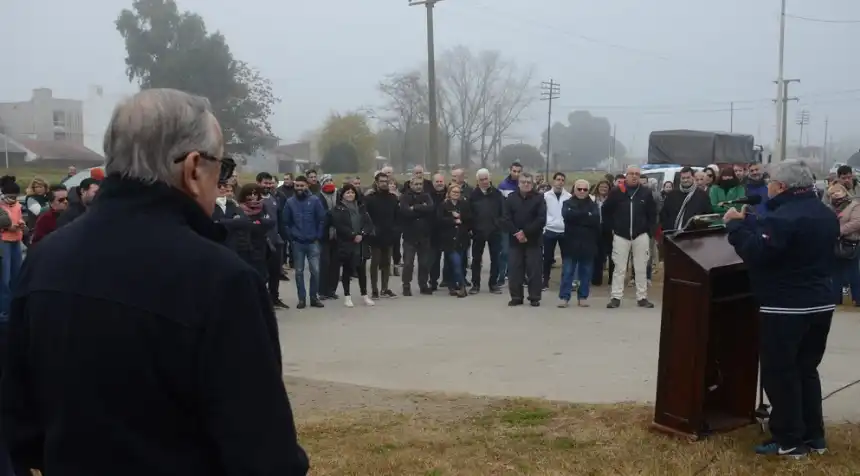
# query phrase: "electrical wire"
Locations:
[[844, 387], [820, 20]]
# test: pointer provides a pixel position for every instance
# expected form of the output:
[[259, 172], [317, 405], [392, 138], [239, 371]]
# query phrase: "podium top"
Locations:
[[709, 248]]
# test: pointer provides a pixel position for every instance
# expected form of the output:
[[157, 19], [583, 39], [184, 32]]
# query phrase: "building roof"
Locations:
[[60, 150], [14, 146], [297, 150]]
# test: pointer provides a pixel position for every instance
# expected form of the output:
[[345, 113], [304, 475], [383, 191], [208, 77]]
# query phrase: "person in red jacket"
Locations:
[[47, 221]]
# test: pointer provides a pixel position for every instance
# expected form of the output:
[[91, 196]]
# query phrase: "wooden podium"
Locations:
[[708, 366]]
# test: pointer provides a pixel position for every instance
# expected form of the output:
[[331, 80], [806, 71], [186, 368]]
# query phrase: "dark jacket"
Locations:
[[304, 219], [165, 364], [790, 253], [454, 236], [271, 208], [699, 204], [347, 248], [630, 213], [438, 199], [417, 213], [246, 236], [527, 214], [383, 208], [757, 187], [73, 212], [487, 211], [329, 233], [581, 227]]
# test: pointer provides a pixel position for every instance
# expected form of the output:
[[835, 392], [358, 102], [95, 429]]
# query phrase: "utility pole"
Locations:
[[550, 90], [824, 149], [433, 132], [781, 90], [802, 120], [732, 118], [782, 129]]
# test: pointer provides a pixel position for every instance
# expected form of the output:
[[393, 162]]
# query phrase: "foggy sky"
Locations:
[[672, 64]]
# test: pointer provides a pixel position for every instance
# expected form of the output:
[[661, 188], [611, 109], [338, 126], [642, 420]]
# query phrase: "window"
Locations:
[[60, 118], [59, 135]]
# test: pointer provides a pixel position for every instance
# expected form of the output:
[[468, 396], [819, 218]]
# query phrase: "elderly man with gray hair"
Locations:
[[487, 205], [163, 356], [790, 256]]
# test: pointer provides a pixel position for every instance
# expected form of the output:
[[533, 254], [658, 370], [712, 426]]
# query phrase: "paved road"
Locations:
[[478, 345]]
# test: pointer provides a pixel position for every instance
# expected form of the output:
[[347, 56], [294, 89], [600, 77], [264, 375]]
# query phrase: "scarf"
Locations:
[[688, 194], [354, 216]]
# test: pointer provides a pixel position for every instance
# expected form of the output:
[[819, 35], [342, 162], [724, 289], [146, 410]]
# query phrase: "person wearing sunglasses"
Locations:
[[47, 221], [581, 233], [169, 337]]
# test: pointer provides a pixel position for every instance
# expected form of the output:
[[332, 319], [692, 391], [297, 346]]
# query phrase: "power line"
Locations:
[[820, 20]]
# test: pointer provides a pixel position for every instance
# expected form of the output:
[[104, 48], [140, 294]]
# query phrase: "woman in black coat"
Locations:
[[353, 226], [582, 232], [247, 224], [454, 223]]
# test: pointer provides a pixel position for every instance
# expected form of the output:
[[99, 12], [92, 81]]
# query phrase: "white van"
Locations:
[[663, 174]]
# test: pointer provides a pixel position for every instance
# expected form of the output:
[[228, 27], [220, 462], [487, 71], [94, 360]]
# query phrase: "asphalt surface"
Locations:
[[481, 346]]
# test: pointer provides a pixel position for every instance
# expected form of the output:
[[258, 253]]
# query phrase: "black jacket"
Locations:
[[699, 204], [454, 236], [247, 236], [790, 253], [581, 227], [163, 359], [630, 213], [72, 213], [383, 208], [487, 211], [417, 213], [527, 214], [428, 186], [347, 248], [438, 199]]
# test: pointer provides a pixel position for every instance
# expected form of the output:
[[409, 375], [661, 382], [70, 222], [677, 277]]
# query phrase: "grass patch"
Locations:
[[532, 437]]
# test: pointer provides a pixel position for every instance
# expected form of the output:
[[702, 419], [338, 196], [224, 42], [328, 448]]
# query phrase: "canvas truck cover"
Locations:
[[700, 148]]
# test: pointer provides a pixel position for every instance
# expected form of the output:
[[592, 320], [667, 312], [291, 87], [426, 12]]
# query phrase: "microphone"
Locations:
[[750, 200]]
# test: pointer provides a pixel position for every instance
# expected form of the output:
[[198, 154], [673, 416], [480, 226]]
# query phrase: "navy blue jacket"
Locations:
[[581, 227], [305, 219], [790, 253]]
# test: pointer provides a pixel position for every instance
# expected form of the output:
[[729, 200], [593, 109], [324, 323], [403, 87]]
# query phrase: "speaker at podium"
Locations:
[[708, 365]]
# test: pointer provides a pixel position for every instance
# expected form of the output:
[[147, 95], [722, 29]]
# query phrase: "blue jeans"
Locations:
[[847, 274], [503, 257], [455, 261], [11, 264], [311, 251], [582, 267]]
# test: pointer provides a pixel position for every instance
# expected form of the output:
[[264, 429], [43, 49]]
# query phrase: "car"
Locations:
[[79, 177]]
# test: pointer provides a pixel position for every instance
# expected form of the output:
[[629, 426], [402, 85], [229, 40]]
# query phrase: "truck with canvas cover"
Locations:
[[701, 148]]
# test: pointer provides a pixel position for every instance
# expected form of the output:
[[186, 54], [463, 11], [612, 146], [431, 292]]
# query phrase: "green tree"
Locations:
[[352, 129], [584, 143], [167, 48], [527, 155], [340, 158]]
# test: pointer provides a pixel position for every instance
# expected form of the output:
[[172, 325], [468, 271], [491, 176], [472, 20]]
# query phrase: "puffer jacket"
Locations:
[[849, 221], [486, 211]]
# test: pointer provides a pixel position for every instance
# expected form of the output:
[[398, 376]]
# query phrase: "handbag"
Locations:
[[847, 249]]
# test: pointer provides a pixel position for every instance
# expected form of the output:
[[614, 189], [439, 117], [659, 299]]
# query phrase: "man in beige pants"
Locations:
[[630, 212]]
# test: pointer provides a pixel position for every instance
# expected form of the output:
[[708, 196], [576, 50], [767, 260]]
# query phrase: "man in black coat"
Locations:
[[417, 214], [383, 208], [79, 200], [437, 270], [524, 219], [275, 243], [487, 204], [684, 202], [162, 355]]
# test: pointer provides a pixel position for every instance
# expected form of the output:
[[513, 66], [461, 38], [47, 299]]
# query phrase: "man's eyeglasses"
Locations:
[[228, 165], [581, 189], [62, 200]]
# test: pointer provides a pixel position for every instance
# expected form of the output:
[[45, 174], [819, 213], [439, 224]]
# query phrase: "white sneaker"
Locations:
[[347, 301], [367, 300]]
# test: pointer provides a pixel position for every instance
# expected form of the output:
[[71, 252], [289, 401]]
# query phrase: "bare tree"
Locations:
[[405, 106], [483, 96]]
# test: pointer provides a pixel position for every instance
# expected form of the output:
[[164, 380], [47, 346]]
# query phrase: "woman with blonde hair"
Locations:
[[847, 273], [37, 196]]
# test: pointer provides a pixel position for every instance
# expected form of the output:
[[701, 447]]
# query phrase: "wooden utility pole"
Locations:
[[732, 118], [550, 90], [433, 131]]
